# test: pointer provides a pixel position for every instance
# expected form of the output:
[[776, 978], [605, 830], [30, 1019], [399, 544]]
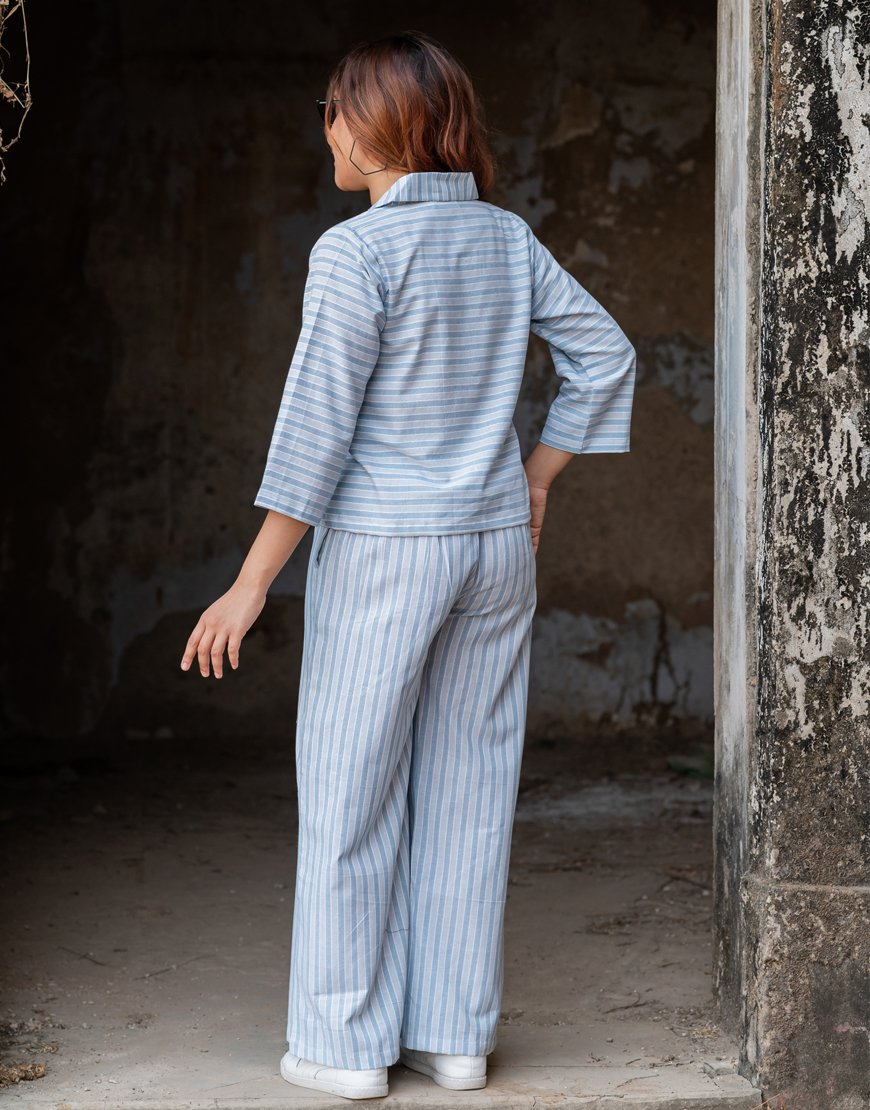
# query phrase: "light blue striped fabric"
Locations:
[[397, 412], [409, 740]]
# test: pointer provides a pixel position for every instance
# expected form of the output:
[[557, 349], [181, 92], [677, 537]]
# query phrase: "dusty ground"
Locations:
[[148, 899]]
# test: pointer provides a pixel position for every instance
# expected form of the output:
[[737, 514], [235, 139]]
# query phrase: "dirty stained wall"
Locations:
[[161, 209], [809, 845], [793, 808]]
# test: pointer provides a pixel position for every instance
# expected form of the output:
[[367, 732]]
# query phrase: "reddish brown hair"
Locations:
[[411, 105]]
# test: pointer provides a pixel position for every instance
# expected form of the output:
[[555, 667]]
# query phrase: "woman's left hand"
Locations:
[[222, 627]]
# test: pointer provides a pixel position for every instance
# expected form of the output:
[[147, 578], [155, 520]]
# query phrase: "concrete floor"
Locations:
[[148, 899]]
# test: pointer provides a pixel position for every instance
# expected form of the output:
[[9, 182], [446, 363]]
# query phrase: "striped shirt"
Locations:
[[397, 412]]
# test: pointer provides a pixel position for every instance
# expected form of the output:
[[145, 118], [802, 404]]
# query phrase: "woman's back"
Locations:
[[397, 414]]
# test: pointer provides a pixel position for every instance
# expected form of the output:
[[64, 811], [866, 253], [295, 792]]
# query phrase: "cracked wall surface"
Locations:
[[793, 666], [160, 211]]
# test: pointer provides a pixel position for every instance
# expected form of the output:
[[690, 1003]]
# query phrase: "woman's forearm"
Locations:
[[543, 463], [276, 541]]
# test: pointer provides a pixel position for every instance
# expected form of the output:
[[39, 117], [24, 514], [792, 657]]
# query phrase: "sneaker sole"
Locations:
[[453, 1083], [334, 1088]]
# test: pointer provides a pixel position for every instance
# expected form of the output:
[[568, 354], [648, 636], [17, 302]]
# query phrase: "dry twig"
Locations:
[[15, 95]]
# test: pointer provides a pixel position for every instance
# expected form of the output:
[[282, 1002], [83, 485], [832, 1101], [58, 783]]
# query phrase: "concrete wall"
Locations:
[[793, 546], [159, 212]]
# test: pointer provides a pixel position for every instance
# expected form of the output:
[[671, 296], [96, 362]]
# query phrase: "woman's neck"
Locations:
[[385, 180]]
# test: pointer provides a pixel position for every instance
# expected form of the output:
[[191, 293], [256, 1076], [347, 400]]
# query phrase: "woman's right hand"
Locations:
[[538, 505], [222, 627]]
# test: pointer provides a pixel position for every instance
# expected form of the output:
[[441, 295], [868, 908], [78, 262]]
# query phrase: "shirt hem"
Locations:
[[437, 528], [586, 448], [286, 510]]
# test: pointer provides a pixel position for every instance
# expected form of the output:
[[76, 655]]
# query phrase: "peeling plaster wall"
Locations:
[[738, 206], [810, 803], [160, 209], [793, 797]]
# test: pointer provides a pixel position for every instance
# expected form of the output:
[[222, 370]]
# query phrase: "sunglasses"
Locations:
[[321, 108]]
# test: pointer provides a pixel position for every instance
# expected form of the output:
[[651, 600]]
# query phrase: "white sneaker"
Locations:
[[350, 1082], [459, 1073]]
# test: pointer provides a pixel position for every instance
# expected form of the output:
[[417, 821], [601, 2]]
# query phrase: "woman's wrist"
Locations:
[[278, 538], [254, 581]]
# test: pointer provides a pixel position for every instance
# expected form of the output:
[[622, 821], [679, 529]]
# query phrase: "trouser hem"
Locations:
[[456, 1045], [333, 1048]]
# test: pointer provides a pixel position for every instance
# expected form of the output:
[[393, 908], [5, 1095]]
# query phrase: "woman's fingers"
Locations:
[[192, 644], [225, 641], [217, 654], [204, 651], [538, 506], [208, 646]]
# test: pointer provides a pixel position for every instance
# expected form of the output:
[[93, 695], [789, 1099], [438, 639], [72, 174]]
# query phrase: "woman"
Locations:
[[395, 440]]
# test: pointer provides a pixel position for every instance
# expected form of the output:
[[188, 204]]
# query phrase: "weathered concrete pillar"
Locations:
[[792, 643]]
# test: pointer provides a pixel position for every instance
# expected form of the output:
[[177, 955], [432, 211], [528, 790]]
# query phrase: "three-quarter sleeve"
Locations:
[[597, 363], [343, 315]]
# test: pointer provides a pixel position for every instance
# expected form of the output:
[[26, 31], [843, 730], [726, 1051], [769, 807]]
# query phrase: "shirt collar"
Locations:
[[430, 185]]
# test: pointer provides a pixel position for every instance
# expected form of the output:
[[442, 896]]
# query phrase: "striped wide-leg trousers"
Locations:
[[410, 730]]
